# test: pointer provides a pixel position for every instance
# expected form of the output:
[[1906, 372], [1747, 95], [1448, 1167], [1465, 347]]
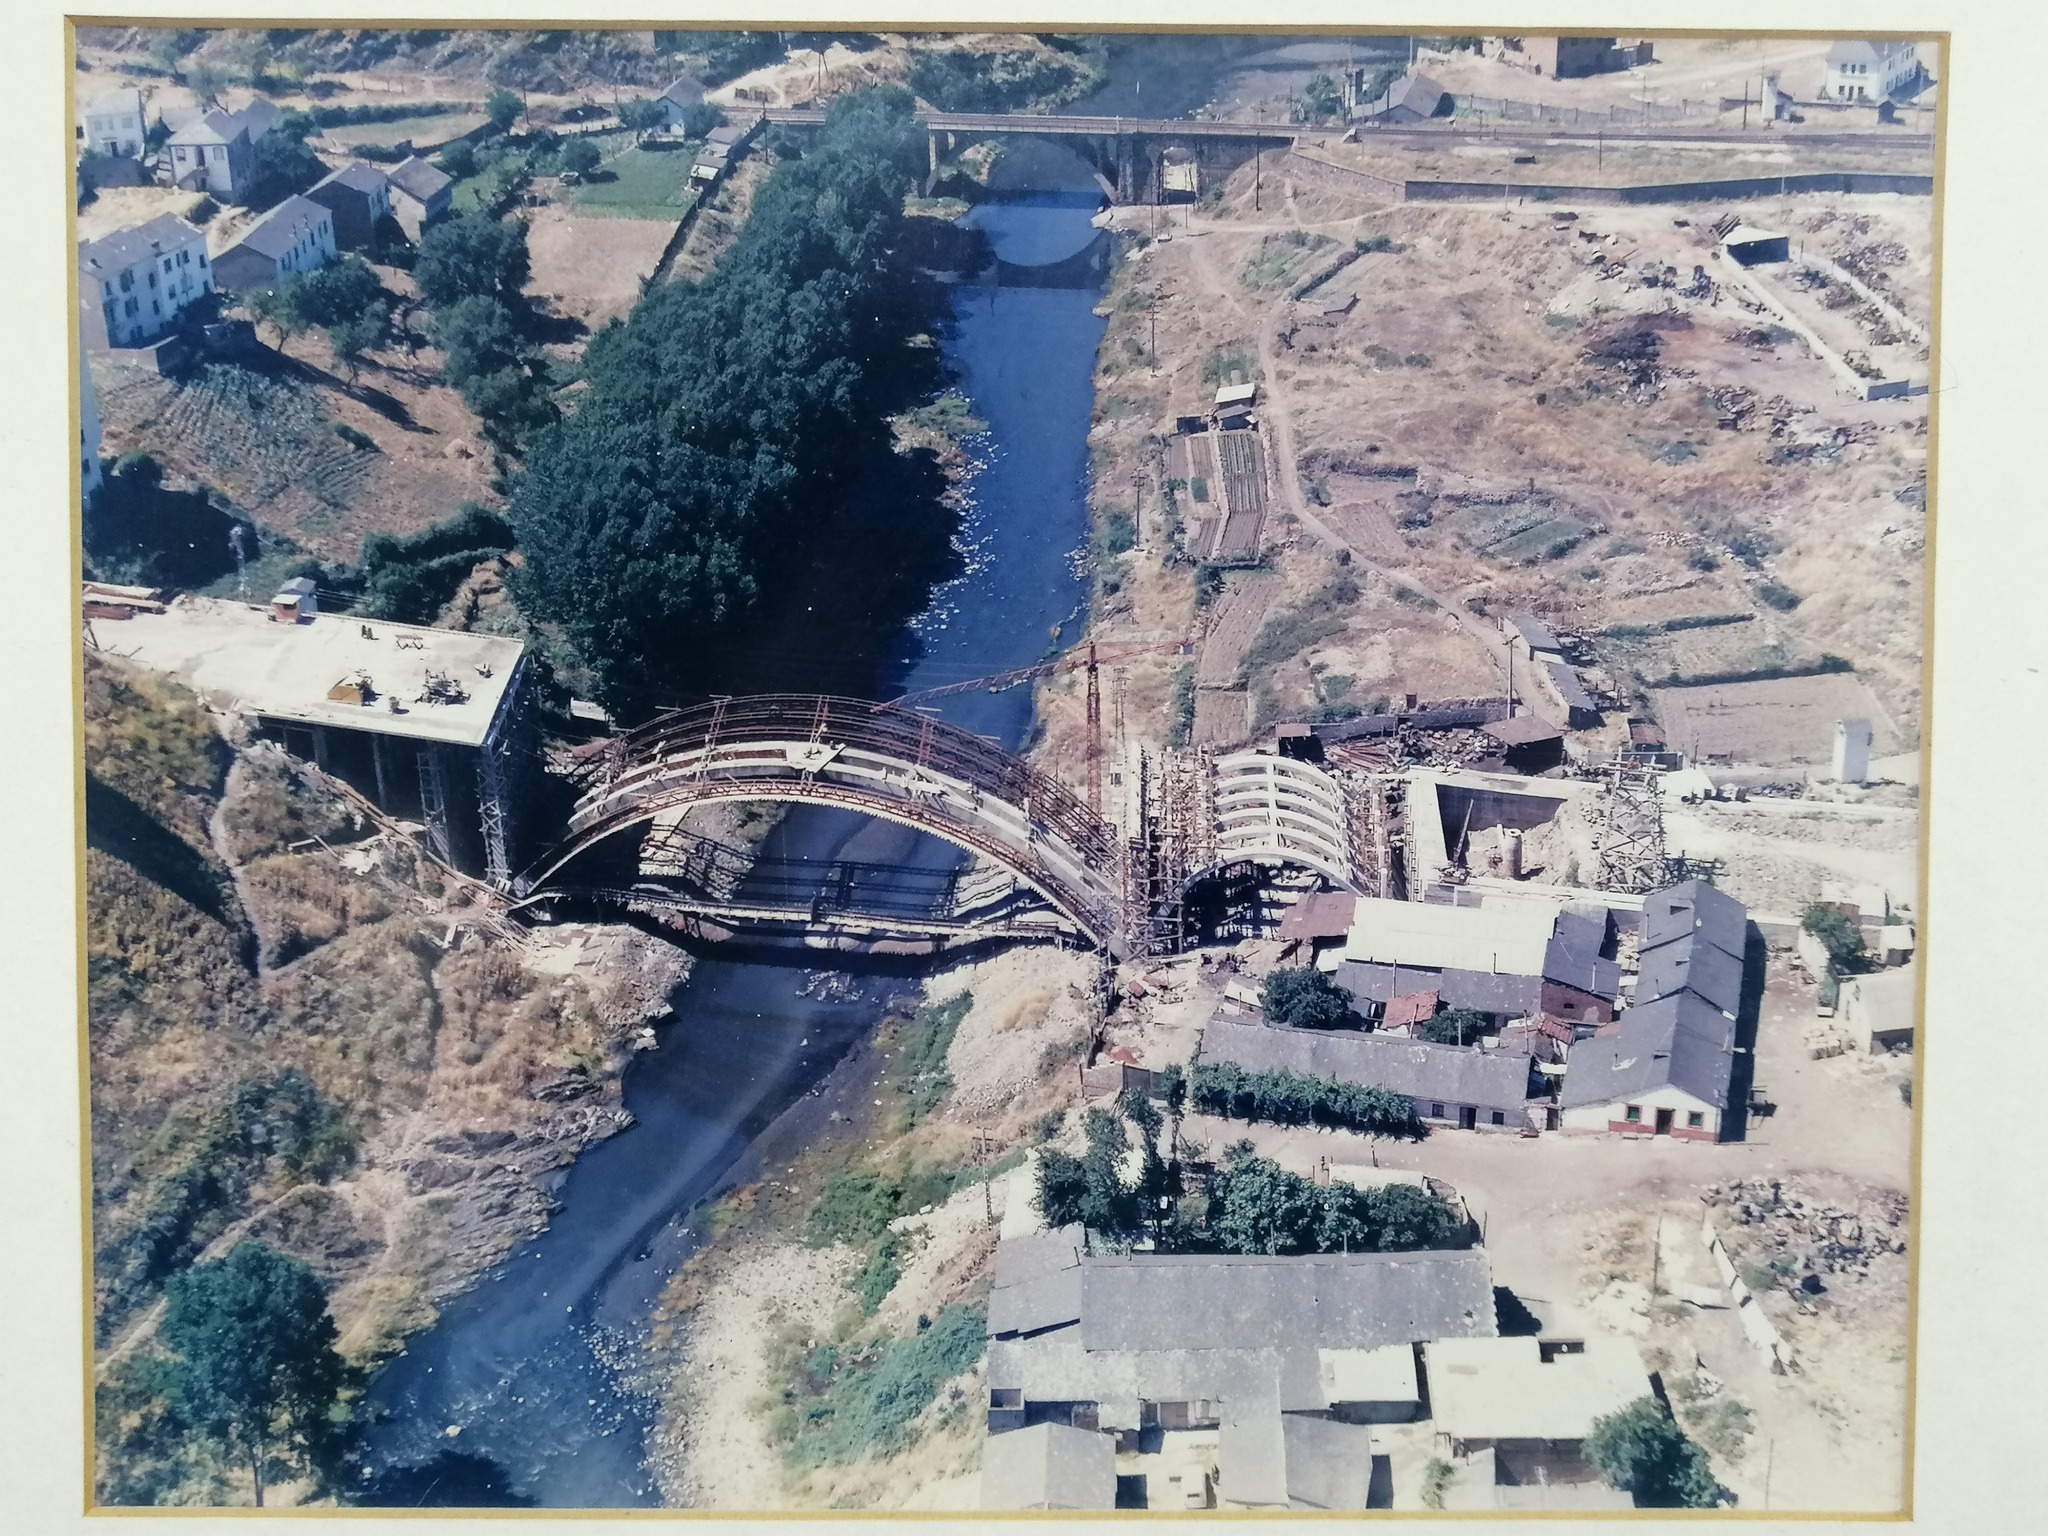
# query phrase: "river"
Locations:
[[524, 1391]]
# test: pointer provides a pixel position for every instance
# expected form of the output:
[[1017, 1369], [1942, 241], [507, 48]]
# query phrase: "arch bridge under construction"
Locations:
[[1046, 865]]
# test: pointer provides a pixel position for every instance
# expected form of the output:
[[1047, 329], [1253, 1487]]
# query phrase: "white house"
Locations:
[[216, 152], [679, 98], [88, 434], [296, 236], [133, 284], [113, 123], [1859, 71]]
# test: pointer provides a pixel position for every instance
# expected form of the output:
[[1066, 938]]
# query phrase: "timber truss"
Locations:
[[1046, 865]]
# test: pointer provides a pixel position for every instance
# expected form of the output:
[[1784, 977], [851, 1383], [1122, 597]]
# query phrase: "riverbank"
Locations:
[[861, 1215], [380, 1081]]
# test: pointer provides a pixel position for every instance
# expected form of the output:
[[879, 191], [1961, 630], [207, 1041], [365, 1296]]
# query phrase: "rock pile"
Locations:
[[1816, 1237]]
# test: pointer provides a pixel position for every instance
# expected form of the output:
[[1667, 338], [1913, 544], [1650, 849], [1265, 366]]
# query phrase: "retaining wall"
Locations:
[[1345, 178]]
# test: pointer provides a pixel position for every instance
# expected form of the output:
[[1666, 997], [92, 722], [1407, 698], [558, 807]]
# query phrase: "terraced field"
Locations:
[[263, 443]]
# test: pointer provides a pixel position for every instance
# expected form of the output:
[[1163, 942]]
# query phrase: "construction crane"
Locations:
[[1091, 656]]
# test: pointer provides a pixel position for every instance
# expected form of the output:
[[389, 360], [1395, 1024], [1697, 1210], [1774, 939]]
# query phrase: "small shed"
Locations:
[[1753, 247], [296, 599], [1409, 1011], [1236, 397], [1529, 743], [1411, 99], [1878, 1009]]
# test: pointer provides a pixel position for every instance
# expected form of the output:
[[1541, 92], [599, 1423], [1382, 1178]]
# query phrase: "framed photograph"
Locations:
[[1003, 769]]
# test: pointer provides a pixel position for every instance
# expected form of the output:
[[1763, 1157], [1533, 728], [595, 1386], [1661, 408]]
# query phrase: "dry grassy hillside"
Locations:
[[296, 1037]]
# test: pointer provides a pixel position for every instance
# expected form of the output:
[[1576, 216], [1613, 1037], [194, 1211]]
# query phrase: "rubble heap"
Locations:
[[1819, 1238]]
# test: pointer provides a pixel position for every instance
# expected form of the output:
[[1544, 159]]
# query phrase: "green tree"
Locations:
[[1175, 1081], [1404, 1218], [472, 255], [1306, 999], [206, 80], [1256, 1206], [1842, 938], [699, 118], [459, 158], [1062, 1187], [643, 116], [476, 336], [503, 107], [1454, 1026], [277, 308], [352, 338], [256, 1370], [578, 156], [729, 425], [1320, 98], [1640, 1450], [283, 163], [512, 402], [339, 292]]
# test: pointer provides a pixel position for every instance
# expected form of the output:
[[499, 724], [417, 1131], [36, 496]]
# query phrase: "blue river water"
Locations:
[[527, 1388]]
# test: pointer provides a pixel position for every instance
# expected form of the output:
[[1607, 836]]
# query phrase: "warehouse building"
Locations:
[[1218, 1380]]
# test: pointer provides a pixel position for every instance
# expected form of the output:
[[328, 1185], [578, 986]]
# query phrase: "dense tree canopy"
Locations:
[[1640, 1450], [732, 426], [256, 1368], [1306, 999], [1841, 937], [503, 107], [1289, 1098], [471, 255], [1256, 1206], [1454, 1026]]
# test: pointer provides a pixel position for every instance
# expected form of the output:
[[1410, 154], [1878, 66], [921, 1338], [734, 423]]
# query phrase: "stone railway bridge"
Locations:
[[1049, 866], [1128, 153]]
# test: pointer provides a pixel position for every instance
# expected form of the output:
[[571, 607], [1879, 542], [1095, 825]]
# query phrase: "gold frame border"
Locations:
[[1936, 388]]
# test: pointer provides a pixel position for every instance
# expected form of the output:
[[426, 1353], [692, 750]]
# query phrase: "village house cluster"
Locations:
[[150, 288]]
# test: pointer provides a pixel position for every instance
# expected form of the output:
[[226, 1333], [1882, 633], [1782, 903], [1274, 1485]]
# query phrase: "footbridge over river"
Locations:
[[1047, 866]]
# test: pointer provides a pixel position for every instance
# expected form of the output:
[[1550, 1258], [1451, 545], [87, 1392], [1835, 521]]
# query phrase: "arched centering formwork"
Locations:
[[1279, 811], [894, 764]]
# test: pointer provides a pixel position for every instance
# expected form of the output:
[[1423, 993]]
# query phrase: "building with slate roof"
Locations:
[[1665, 1071], [1691, 965], [1695, 907], [134, 283], [421, 192], [114, 123], [1049, 1466], [1667, 1068], [216, 151], [1467, 1086], [1239, 1380], [295, 237], [359, 197], [1870, 71], [1413, 98]]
